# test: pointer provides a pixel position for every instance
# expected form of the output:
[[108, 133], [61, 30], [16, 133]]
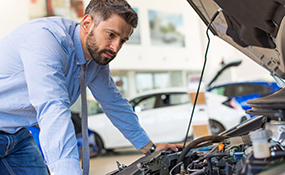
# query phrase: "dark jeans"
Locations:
[[19, 154]]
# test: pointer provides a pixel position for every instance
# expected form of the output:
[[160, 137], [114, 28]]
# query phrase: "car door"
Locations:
[[144, 107], [172, 116]]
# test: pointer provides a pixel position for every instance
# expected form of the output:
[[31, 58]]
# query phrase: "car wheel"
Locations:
[[216, 127], [95, 148]]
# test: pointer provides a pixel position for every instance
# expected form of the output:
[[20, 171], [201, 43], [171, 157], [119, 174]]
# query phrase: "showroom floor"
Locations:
[[107, 163]]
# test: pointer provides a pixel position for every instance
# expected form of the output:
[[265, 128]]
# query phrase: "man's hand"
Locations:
[[167, 146], [160, 147]]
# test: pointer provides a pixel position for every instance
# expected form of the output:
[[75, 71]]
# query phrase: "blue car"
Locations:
[[242, 91]]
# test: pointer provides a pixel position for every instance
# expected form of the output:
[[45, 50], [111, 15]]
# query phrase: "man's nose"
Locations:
[[115, 46]]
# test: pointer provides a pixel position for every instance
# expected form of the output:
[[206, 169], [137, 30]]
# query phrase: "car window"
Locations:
[[241, 89], [219, 90], [251, 89], [174, 99], [143, 103]]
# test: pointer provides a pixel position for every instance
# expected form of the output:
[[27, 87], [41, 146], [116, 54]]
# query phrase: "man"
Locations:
[[39, 77]]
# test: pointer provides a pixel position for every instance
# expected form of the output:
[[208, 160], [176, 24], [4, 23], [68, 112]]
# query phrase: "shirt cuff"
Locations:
[[65, 166]]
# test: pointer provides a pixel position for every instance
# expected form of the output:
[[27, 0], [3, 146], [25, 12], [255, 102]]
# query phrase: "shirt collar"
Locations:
[[80, 58]]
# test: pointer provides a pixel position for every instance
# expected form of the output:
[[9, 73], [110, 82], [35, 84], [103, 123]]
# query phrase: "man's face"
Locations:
[[105, 40]]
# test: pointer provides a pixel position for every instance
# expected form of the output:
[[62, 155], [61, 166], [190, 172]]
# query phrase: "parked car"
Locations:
[[242, 91], [165, 114]]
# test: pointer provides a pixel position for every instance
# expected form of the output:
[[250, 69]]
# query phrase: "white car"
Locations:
[[165, 115]]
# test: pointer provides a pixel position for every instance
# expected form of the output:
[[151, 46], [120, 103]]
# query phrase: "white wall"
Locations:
[[12, 14]]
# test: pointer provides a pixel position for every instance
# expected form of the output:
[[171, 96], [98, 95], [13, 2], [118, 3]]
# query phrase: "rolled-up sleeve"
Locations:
[[117, 108], [44, 65]]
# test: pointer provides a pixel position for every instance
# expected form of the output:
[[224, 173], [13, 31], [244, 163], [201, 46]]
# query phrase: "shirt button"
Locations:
[[77, 63], [78, 76]]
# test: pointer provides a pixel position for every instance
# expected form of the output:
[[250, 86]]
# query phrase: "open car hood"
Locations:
[[255, 27]]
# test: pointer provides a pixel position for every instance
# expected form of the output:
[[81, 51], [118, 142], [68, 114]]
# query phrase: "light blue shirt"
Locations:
[[39, 81]]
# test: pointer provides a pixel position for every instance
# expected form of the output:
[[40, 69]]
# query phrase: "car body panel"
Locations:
[[228, 117]]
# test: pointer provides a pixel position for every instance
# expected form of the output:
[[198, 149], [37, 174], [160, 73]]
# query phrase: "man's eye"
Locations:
[[110, 34]]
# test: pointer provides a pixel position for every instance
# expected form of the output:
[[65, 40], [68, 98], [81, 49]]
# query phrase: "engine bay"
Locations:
[[260, 150]]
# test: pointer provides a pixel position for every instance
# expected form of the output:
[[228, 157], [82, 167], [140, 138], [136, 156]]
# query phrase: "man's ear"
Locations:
[[86, 23]]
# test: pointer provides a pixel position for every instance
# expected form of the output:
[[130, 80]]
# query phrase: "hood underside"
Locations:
[[255, 27]]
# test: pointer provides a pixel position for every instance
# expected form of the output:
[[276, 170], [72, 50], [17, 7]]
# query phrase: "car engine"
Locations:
[[253, 147]]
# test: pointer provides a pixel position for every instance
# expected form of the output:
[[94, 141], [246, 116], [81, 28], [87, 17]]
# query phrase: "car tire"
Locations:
[[99, 144], [216, 127]]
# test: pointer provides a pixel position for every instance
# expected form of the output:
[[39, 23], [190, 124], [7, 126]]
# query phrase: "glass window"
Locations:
[[241, 89], [174, 99], [176, 78], [121, 80], [144, 81], [161, 80], [219, 90], [142, 104], [152, 80], [229, 91], [251, 89]]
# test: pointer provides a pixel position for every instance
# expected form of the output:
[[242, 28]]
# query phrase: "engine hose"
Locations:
[[197, 143], [209, 163]]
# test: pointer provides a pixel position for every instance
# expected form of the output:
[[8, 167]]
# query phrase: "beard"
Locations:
[[95, 53]]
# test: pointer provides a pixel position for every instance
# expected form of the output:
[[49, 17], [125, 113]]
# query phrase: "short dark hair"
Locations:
[[101, 10]]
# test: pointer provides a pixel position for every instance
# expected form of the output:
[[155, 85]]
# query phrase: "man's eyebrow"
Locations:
[[117, 33]]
